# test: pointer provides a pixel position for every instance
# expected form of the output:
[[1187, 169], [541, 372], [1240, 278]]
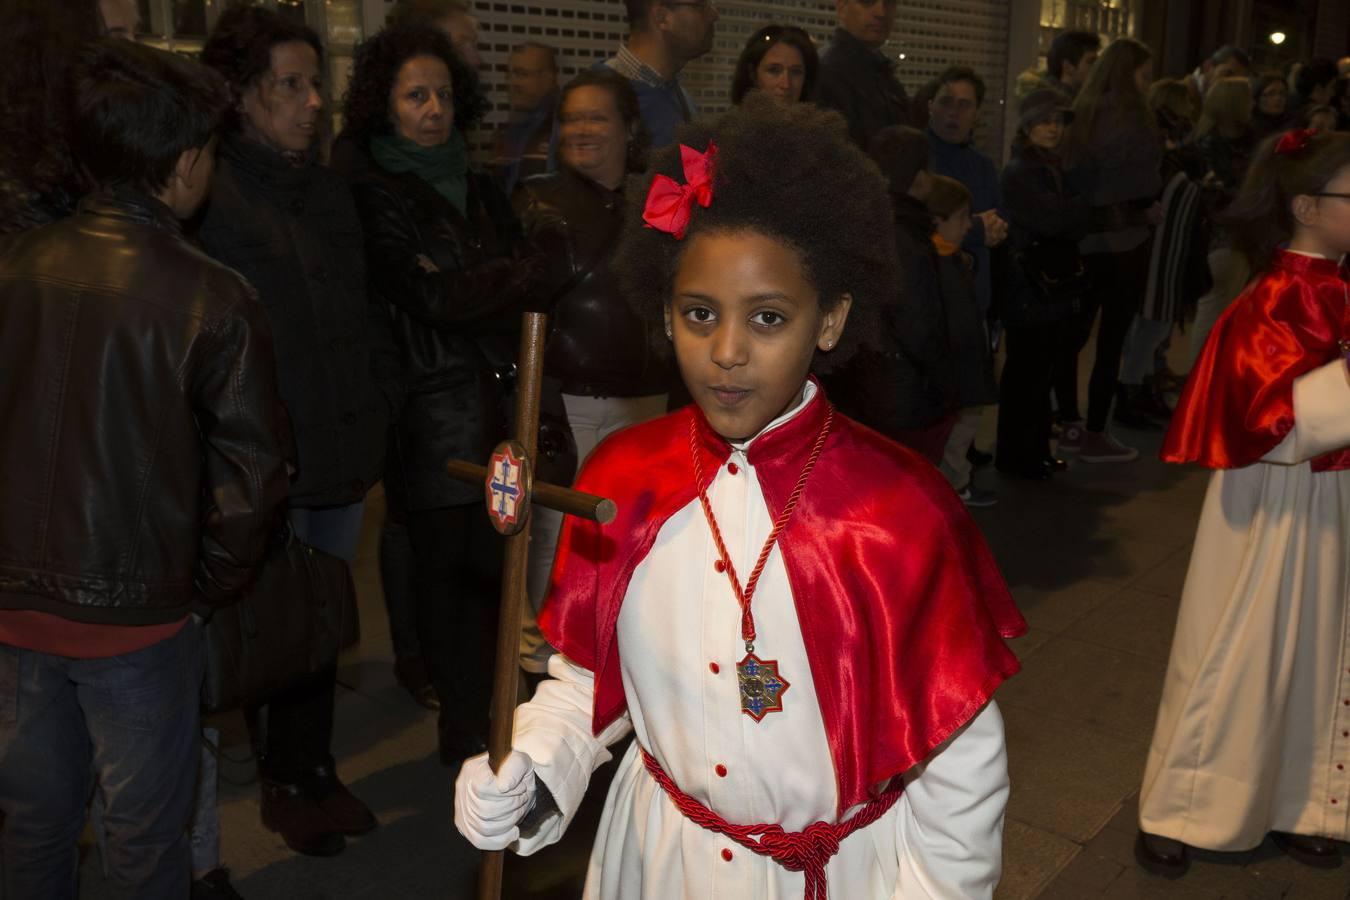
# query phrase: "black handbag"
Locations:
[[290, 624], [1059, 276]]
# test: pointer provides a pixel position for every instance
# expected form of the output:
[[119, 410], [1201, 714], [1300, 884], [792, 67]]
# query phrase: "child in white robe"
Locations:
[[795, 617], [1253, 732]]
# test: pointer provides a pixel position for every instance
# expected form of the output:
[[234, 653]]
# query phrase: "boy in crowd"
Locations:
[[141, 468], [949, 202]]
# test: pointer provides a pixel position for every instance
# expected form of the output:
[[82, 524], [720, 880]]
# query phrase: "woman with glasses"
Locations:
[[1271, 106]]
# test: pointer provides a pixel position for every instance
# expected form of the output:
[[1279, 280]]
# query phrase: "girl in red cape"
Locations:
[[1253, 733], [795, 617]]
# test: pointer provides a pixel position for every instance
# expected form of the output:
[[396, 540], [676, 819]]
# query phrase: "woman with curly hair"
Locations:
[[842, 681], [442, 249], [779, 60], [290, 226]]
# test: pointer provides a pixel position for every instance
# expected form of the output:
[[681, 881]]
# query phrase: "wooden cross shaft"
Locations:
[[510, 490]]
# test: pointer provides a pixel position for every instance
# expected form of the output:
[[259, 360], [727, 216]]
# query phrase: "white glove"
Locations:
[[488, 807]]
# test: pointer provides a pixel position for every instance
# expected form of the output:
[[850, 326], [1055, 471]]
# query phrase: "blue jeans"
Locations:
[[131, 723]]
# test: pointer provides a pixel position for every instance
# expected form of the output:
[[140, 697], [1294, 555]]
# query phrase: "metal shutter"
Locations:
[[929, 36]]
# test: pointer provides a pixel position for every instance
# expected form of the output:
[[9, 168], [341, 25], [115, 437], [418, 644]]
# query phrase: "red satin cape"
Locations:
[[1238, 403], [901, 606]]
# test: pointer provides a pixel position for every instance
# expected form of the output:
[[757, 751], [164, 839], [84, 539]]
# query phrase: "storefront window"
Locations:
[[1109, 18]]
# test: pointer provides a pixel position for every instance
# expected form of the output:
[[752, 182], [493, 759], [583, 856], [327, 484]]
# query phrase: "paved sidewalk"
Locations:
[[1096, 561]]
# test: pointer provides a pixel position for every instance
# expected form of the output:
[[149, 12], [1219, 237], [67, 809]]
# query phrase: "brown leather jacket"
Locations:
[[599, 344], [141, 459]]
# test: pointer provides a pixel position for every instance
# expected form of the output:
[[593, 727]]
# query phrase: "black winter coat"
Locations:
[[859, 81], [143, 451], [908, 383], [599, 344], [971, 358], [293, 232], [1041, 208], [454, 286]]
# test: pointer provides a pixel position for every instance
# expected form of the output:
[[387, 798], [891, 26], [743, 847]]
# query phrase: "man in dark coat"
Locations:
[[955, 108], [856, 78], [663, 37], [521, 144]]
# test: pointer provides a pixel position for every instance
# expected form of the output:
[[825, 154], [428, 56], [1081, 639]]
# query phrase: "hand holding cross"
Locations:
[[510, 490]]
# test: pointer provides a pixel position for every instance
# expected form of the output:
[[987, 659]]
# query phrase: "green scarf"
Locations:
[[446, 168]]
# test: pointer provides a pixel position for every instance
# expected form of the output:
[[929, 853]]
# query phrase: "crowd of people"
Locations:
[[213, 318]]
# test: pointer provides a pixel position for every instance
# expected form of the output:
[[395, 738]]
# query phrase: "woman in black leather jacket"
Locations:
[[290, 226], [442, 246], [604, 356]]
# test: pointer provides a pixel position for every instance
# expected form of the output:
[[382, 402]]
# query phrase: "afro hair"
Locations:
[[787, 171]]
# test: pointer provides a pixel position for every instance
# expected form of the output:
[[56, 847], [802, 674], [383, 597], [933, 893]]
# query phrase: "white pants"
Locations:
[[592, 419], [1136, 362], [955, 466]]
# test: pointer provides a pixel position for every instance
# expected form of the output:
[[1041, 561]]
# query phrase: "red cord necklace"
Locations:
[[762, 687]]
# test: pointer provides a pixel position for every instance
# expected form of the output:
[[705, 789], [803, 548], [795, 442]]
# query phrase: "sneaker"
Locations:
[[1071, 437], [215, 885], [975, 497], [1100, 447]]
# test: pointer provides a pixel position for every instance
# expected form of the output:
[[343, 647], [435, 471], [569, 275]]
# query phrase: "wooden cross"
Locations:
[[510, 491]]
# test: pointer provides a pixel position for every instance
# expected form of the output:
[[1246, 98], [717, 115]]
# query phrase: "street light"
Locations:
[[1277, 38]]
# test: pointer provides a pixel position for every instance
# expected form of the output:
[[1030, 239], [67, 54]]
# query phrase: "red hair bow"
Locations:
[[1295, 141], [670, 205]]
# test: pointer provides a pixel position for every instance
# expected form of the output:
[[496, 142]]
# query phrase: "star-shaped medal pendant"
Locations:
[[761, 686]]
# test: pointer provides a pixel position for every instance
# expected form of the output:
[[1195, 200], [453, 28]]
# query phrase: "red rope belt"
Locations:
[[799, 851]]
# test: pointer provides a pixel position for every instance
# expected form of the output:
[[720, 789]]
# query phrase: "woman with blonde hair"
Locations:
[[1227, 142], [1224, 134], [1112, 162], [1178, 273]]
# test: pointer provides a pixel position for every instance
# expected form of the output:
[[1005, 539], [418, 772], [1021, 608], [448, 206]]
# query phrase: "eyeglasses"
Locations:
[[1332, 195], [700, 5]]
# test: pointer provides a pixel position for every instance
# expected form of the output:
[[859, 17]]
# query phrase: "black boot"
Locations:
[[458, 738], [290, 811], [1311, 851], [1155, 401], [1129, 412], [1161, 855], [215, 885], [1030, 469], [350, 816], [411, 672]]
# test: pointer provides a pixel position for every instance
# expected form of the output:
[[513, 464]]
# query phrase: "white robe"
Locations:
[[1253, 731], [679, 622]]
